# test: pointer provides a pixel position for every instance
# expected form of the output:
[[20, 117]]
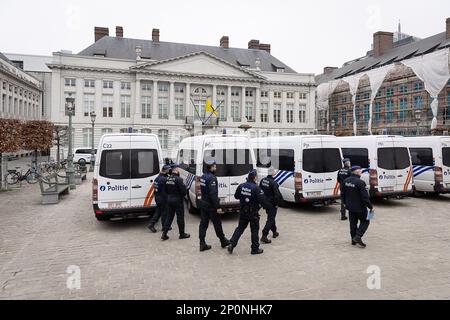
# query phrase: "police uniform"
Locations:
[[160, 199], [271, 190], [357, 201], [209, 204], [343, 174], [176, 190], [251, 197]]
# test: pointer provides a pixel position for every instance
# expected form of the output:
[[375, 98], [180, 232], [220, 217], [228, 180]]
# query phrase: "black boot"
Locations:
[[343, 217], [204, 247], [164, 236], [185, 235], [151, 227], [264, 239], [258, 251], [224, 243], [230, 248], [358, 240], [276, 235]]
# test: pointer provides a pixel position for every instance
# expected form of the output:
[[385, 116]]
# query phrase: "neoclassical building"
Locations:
[[162, 88]]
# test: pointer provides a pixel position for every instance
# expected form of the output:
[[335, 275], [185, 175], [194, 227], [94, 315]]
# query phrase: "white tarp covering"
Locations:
[[433, 70], [376, 78], [353, 82], [323, 93]]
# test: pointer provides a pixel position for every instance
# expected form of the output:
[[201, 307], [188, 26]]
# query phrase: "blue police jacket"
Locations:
[[160, 187], [250, 195], [271, 190], [210, 190], [355, 195]]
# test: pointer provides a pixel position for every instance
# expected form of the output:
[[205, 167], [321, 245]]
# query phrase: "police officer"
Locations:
[[176, 190], [357, 201], [343, 174], [271, 190], [160, 199], [251, 197], [209, 204]]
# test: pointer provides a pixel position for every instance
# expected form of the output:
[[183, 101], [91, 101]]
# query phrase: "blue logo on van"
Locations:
[[114, 188], [102, 188]]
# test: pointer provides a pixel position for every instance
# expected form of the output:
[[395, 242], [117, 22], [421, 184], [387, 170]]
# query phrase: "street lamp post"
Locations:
[[70, 105], [91, 167], [417, 116], [333, 125]]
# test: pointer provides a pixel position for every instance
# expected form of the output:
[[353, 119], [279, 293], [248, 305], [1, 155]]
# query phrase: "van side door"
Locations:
[[332, 164]]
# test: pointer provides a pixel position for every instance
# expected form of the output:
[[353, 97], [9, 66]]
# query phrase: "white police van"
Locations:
[[307, 166], [125, 169], [234, 159], [385, 163], [430, 157], [82, 155]]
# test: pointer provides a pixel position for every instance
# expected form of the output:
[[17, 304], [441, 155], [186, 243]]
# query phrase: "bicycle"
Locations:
[[31, 176]]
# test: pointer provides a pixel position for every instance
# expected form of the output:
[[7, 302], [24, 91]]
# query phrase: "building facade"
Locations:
[[402, 105], [162, 88]]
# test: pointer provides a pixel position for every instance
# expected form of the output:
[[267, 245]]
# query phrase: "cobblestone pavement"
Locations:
[[409, 241]]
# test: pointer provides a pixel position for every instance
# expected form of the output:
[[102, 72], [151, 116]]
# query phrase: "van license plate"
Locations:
[[387, 189], [114, 205], [314, 194]]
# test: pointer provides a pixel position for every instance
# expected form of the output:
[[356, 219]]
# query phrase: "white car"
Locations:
[[82, 155]]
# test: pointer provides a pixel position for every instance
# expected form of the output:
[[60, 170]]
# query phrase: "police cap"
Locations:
[[252, 174], [354, 168]]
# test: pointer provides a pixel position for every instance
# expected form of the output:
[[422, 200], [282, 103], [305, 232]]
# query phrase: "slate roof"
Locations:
[[125, 48], [398, 53]]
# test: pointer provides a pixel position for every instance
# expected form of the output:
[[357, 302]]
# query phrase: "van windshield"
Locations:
[[446, 157], [321, 160], [393, 158], [229, 162]]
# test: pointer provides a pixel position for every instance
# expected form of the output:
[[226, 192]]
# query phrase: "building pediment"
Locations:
[[200, 63]]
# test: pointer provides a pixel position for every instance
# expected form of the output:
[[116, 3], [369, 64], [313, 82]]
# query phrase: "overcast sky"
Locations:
[[306, 35]]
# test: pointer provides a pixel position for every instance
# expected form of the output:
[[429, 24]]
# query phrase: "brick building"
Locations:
[[401, 93]]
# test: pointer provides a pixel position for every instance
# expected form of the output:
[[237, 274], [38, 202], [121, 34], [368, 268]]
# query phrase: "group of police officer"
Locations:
[[170, 192]]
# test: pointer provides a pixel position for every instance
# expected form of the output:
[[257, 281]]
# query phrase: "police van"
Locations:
[[234, 160], [307, 166], [385, 163], [430, 157], [125, 169]]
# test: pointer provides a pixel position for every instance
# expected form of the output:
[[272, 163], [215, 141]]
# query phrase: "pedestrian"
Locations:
[[160, 199], [251, 197], [357, 202], [176, 191], [272, 192], [209, 204], [343, 174]]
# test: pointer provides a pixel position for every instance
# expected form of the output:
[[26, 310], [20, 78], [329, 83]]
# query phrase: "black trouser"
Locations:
[[173, 208], [206, 215], [244, 220], [356, 230], [343, 211], [270, 224], [160, 212]]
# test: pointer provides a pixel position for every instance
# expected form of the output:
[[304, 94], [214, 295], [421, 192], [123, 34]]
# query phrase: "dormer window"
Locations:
[[280, 69]]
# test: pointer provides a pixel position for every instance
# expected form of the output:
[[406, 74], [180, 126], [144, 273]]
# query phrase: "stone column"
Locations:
[[296, 107], [172, 100], [155, 107], [243, 103], [271, 107], [137, 112], [189, 108], [258, 105], [283, 107], [228, 102]]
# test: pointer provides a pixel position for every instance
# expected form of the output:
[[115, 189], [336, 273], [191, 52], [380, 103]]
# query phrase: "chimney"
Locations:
[[265, 47], [100, 32], [155, 35], [382, 42], [329, 70], [119, 32], [253, 44], [447, 28], [225, 42]]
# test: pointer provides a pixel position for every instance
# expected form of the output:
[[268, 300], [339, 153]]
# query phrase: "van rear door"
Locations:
[[114, 173], [332, 163], [446, 162], [144, 170], [312, 166]]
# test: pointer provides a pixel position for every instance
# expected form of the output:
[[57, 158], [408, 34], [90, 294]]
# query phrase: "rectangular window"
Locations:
[[302, 96], [389, 92], [277, 95], [357, 156], [321, 160], [281, 159], [89, 100], [277, 112], [230, 162], [146, 111], [446, 157], [235, 111], [403, 115], [179, 88], [403, 88], [106, 130], [163, 87], [87, 136], [125, 106], [179, 108], [264, 94], [107, 84], [264, 112], [163, 107], [89, 83], [220, 107], [146, 86], [125, 85], [144, 163], [393, 158], [115, 164], [290, 95], [418, 86], [163, 136], [366, 112], [389, 111], [107, 102], [302, 113], [249, 93], [421, 156], [249, 111], [418, 102], [289, 113], [69, 82]]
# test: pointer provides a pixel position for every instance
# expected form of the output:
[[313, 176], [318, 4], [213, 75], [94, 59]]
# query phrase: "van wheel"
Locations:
[[191, 208], [102, 217]]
